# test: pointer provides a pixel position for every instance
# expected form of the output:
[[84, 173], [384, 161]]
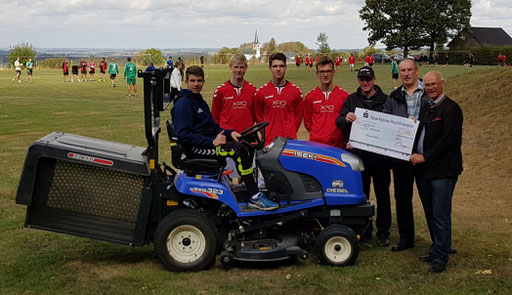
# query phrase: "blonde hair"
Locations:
[[237, 59]]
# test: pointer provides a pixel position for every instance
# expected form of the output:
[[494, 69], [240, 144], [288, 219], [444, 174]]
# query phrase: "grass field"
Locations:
[[38, 262]]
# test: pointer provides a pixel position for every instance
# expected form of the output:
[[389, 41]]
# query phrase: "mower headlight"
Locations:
[[354, 161]]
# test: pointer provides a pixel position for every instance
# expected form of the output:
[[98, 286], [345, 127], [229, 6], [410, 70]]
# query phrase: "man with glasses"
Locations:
[[323, 105], [438, 163], [376, 167], [405, 101]]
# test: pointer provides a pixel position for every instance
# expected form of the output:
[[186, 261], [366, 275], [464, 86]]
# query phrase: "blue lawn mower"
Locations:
[[195, 211]]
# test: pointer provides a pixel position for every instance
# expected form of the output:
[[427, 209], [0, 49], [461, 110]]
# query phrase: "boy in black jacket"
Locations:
[[201, 137]]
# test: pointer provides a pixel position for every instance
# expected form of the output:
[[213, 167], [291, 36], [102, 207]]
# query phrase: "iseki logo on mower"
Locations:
[[90, 159], [209, 192], [312, 156]]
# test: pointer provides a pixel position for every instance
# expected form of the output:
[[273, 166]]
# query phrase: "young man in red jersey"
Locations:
[[352, 62], [338, 63], [103, 70], [322, 106], [279, 102], [232, 104]]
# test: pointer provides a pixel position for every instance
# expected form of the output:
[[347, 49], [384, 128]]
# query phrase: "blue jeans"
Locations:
[[436, 197]]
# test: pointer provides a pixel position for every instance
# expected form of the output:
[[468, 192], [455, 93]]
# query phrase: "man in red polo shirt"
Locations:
[[323, 105], [338, 62], [351, 62], [279, 102], [232, 104]]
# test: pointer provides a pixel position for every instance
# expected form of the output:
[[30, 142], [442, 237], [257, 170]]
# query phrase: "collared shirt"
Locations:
[[414, 101], [422, 135]]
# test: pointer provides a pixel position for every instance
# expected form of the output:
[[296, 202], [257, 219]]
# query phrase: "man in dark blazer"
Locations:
[[438, 163]]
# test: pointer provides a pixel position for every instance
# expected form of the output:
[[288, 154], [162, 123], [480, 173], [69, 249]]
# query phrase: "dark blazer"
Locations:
[[443, 140]]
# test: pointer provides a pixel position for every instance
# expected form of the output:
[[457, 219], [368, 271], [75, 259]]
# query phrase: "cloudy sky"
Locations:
[[197, 24]]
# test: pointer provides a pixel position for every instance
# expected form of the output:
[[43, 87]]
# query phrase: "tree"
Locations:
[[270, 46], [23, 50], [414, 24], [321, 41], [296, 47], [150, 55], [451, 16], [397, 23]]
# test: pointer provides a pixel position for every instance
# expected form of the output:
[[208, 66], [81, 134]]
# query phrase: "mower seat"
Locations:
[[181, 161]]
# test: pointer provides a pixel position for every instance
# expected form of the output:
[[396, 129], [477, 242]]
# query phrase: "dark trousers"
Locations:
[[174, 93], [403, 178], [436, 197], [381, 176], [236, 151]]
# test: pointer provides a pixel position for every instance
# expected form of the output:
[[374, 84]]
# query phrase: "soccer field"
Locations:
[[38, 262]]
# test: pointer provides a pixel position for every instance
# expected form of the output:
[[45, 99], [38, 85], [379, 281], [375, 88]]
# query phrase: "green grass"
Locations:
[[38, 262]]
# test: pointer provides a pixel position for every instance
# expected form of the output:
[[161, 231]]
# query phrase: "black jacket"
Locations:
[[396, 104], [442, 141], [193, 121], [358, 100]]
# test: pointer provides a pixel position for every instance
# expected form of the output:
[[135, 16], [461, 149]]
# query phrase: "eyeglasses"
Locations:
[[325, 72], [365, 79], [432, 85]]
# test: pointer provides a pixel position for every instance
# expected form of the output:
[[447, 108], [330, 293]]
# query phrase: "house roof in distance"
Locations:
[[491, 36]]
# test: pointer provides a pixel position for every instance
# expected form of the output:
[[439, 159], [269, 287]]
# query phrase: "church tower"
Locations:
[[256, 45]]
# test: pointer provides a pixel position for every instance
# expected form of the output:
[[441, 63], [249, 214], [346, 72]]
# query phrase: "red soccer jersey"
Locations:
[[320, 112], [316, 59], [103, 66], [232, 107], [299, 60], [351, 60], [282, 107], [370, 59], [338, 60]]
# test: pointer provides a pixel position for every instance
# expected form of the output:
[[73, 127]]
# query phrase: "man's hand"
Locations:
[[235, 135], [417, 159], [351, 117], [349, 146], [219, 139]]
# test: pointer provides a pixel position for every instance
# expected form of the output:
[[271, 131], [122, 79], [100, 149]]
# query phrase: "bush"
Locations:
[[22, 50]]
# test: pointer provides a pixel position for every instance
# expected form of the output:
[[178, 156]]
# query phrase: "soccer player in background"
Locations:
[[322, 106], [103, 70], [30, 66], [113, 69], [130, 72], [83, 70], [92, 69], [279, 102]]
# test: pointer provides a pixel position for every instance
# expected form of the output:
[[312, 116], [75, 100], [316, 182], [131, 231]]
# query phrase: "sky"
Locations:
[[198, 24]]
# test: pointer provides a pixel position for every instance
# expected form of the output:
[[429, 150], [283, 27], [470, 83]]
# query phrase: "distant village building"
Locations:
[[479, 36], [256, 47]]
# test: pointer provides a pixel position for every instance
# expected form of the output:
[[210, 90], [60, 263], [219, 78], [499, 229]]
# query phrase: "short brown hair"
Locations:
[[324, 60], [277, 56], [194, 70]]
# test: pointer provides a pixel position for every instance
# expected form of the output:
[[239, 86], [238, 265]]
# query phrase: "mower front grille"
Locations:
[[95, 190]]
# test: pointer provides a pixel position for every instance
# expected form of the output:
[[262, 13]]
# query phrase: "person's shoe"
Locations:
[[135, 94], [259, 201], [383, 242], [19, 81], [437, 266], [401, 246], [426, 258]]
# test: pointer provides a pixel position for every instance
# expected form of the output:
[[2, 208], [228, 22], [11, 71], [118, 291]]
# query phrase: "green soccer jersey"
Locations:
[[112, 68], [29, 64], [394, 67], [130, 70]]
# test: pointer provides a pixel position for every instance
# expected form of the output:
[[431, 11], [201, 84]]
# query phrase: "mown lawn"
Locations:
[[37, 262]]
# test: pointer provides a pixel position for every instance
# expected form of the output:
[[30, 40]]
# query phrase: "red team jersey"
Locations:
[[351, 60], [299, 60], [282, 107], [232, 107], [320, 112], [338, 60]]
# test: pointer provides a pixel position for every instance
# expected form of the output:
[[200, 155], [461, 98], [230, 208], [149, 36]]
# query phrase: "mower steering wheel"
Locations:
[[251, 132]]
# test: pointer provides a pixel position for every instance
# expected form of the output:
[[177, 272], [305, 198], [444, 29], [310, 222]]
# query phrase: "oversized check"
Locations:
[[383, 134]]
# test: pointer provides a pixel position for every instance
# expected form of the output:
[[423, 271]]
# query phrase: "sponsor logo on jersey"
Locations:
[[229, 97], [209, 192], [317, 101], [269, 96], [240, 104], [327, 108], [313, 156], [90, 159], [279, 103]]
